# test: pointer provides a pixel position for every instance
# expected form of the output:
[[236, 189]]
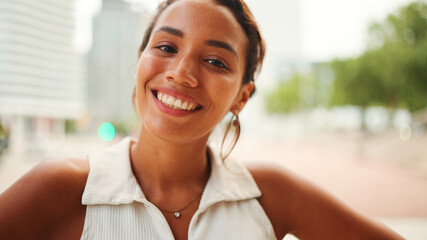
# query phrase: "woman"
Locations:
[[197, 62]]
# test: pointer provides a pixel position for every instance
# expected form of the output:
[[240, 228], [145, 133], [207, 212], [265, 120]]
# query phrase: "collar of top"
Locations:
[[111, 180]]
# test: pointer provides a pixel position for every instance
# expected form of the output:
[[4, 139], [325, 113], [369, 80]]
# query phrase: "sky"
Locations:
[[332, 28], [338, 28]]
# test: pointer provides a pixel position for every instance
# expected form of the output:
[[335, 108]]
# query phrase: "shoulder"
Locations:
[[49, 194], [68, 170], [57, 177], [281, 192], [296, 206]]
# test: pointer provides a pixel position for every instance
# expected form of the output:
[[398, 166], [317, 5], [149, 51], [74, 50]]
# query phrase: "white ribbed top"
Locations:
[[118, 209]]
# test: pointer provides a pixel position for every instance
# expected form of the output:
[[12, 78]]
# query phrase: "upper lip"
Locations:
[[177, 94]]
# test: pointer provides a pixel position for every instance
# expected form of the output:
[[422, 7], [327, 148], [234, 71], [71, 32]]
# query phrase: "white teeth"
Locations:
[[190, 107], [170, 101], [175, 103]]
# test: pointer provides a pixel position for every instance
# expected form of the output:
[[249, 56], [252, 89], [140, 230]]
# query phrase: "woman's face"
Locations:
[[189, 75]]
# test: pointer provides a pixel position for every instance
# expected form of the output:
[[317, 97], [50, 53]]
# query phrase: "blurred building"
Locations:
[[41, 72], [280, 24], [117, 33]]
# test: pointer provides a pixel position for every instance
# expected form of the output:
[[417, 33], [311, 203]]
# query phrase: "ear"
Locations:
[[242, 98]]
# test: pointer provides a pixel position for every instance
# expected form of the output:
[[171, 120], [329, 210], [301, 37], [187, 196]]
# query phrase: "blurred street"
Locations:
[[384, 179], [380, 176], [374, 178]]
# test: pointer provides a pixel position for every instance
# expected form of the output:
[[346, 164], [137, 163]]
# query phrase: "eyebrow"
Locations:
[[172, 31], [221, 44], [214, 43]]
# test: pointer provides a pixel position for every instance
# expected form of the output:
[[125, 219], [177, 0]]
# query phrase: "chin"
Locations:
[[173, 134]]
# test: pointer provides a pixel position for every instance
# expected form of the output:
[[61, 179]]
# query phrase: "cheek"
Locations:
[[148, 67], [224, 91]]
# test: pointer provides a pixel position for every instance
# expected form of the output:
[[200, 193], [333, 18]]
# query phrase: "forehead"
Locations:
[[206, 19]]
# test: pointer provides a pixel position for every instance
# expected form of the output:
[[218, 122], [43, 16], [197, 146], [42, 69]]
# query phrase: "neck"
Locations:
[[168, 168]]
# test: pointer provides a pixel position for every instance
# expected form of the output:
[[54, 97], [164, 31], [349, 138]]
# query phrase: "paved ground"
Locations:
[[383, 177], [381, 187]]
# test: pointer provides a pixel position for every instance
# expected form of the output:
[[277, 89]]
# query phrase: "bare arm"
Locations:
[[296, 206], [42, 201]]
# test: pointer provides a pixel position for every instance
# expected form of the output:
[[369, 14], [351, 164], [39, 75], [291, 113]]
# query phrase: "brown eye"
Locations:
[[166, 48], [216, 63]]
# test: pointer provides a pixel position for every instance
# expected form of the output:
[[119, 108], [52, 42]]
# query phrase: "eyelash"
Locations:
[[214, 62], [217, 63], [161, 48]]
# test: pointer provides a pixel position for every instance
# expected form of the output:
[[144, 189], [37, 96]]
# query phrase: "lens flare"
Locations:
[[106, 132]]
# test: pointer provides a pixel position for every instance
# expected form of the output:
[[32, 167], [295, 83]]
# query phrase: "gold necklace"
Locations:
[[177, 212]]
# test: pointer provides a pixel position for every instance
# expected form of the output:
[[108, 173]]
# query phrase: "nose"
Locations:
[[183, 70]]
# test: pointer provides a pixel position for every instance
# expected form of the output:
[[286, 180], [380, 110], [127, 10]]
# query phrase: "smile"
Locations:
[[176, 103]]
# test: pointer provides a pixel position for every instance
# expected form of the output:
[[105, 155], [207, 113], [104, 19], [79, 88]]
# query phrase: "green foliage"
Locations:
[[125, 126], [285, 98], [122, 128], [70, 126], [300, 92], [393, 71]]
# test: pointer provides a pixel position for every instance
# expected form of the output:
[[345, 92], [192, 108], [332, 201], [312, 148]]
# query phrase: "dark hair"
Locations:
[[255, 50]]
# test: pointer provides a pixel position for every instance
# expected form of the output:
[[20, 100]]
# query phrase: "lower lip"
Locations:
[[171, 111]]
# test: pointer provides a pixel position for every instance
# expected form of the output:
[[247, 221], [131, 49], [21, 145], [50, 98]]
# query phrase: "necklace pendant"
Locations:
[[177, 214]]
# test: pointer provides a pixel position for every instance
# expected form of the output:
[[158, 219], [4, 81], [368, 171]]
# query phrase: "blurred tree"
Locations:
[[70, 126], [393, 70], [297, 93], [122, 127], [285, 98], [303, 90], [126, 127]]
